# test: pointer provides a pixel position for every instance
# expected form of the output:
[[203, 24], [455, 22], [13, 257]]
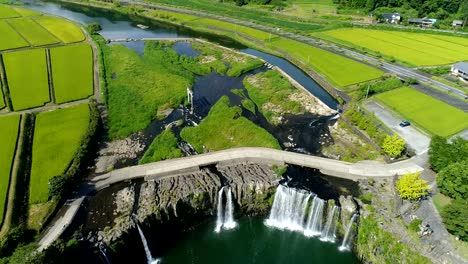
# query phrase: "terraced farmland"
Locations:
[[64, 30], [413, 48], [430, 114], [72, 81], [57, 135], [8, 137], [339, 70], [10, 38], [32, 32], [28, 82]]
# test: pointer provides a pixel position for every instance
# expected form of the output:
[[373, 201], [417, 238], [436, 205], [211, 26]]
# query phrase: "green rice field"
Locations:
[[10, 38], [64, 30], [8, 137], [337, 69], [57, 136], [72, 81], [26, 72], [33, 32], [7, 12], [413, 48], [26, 12], [253, 33], [430, 114]]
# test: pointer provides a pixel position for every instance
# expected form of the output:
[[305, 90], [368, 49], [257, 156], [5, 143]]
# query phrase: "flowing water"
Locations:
[[314, 223], [346, 244], [149, 257], [229, 222], [219, 211], [328, 233]]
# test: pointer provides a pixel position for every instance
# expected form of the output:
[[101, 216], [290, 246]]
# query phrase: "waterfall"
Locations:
[[147, 250], [219, 217], [345, 245], [229, 222], [289, 208], [314, 223], [328, 233]]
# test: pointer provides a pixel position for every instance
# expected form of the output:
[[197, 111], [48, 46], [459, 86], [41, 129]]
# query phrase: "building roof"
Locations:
[[458, 22], [463, 66]]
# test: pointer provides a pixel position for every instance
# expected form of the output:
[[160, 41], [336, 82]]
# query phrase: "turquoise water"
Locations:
[[253, 242]]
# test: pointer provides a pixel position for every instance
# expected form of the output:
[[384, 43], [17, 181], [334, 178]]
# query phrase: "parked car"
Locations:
[[405, 123]]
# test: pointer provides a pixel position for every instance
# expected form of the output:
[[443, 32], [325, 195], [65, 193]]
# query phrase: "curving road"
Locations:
[[180, 166]]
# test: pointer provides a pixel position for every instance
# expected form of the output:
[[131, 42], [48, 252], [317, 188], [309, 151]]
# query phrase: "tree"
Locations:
[[453, 180], [442, 153], [58, 186], [393, 146], [454, 217], [94, 27], [411, 187]]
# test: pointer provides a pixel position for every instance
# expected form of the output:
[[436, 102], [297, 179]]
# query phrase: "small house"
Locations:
[[460, 70], [393, 18], [422, 22], [457, 23]]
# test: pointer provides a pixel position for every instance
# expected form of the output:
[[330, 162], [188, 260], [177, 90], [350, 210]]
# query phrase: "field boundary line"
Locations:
[[11, 193], [19, 33], [49, 76], [59, 41], [5, 88]]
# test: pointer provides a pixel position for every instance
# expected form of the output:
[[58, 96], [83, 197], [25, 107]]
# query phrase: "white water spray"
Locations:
[[229, 222], [314, 223], [147, 250], [219, 216], [345, 245], [328, 233], [289, 209]]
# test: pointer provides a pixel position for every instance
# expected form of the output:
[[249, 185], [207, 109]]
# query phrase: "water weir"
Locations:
[[225, 218], [292, 211]]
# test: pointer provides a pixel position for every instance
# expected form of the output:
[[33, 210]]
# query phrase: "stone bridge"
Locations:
[[175, 167]]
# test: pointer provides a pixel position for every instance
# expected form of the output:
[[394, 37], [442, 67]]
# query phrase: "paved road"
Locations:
[[401, 71], [415, 139], [60, 225], [336, 168]]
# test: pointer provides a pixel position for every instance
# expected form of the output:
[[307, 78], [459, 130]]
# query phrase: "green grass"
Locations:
[[26, 12], [7, 12], [430, 114], [269, 89], [63, 29], [337, 69], [253, 33], [224, 128], [309, 8], [10, 38], [72, 81], [140, 87], [57, 135], [164, 146], [8, 137], [33, 32], [26, 72], [238, 64], [413, 48]]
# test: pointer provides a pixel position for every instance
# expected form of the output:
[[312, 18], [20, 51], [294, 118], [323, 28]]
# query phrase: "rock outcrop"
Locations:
[[185, 196]]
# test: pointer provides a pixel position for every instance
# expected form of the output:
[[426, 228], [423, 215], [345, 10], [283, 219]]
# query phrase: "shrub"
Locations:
[[414, 225], [393, 146], [366, 198], [454, 216], [411, 187], [453, 180], [442, 153]]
